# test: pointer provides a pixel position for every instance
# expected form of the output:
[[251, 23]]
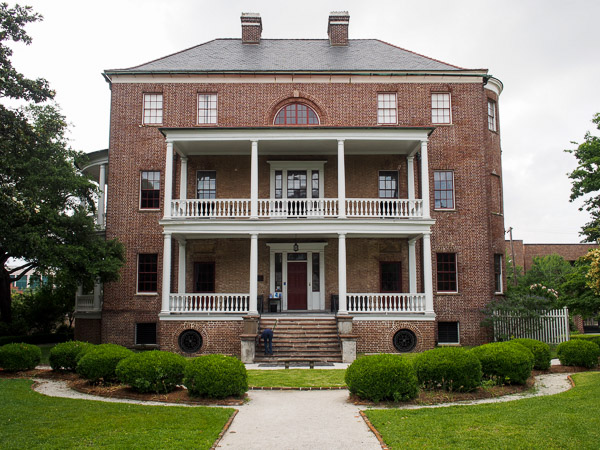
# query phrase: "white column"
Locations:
[[168, 179], [254, 181], [97, 290], [253, 273], [412, 266], [182, 267], [166, 276], [341, 180], [425, 179], [427, 273], [183, 179], [343, 309], [410, 172], [102, 183]]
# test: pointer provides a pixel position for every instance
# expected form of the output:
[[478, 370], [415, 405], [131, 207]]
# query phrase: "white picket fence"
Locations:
[[551, 327]]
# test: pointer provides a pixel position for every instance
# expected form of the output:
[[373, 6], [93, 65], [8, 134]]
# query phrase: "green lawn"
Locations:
[[32, 420], [296, 378], [567, 420]]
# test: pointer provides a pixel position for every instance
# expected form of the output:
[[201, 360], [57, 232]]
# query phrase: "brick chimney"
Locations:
[[337, 28], [251, 28]]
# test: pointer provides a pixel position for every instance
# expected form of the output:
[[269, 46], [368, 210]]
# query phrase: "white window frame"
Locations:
[[453, 190], [449, 122], [161, 109], [397, 183], [140, 191], [492, 114], [216, 108], [437, 291], [381, 99], [137, 275], [501, 273], [457, 330], [309, 166]]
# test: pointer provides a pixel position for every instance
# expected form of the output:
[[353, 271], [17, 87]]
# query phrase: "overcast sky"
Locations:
[[545, 52]]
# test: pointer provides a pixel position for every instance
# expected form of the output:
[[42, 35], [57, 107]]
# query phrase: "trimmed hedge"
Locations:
[[66, 355], [505, 362], [48, 338], [382, 377], [153, 371], [215, 376], [99, 363], [540, 351], [449, 368], [21, 356], [591, 338], [578, 352]]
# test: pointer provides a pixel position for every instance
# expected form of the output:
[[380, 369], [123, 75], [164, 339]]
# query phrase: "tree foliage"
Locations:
[[581, 287], [586, 180], [46, 204]]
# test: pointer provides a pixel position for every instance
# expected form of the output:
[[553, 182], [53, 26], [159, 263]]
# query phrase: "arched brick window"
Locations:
[[296, 114]]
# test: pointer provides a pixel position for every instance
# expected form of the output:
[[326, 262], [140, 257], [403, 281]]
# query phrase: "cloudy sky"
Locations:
[[544, 51]]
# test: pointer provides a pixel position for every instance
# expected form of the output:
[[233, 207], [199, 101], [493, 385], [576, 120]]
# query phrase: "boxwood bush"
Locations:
[[591, 338], [505, 362], [15, 357], [99, 363], [449, 368], [382, 377], [540, 351], [215, 376], [66, 355], [578, 352], [152, 371]]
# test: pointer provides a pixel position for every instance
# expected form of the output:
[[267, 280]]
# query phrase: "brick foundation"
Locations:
[[375, 336], [217, 336]]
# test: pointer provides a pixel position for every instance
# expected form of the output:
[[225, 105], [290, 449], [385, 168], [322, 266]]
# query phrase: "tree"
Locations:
[[47, 205], [586, 180], [579, 297]]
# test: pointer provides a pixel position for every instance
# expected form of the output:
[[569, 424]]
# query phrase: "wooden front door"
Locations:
[[296, 289]]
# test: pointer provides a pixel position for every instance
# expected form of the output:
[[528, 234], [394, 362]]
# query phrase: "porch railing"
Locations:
[[391, 207], [84, 302], [386, 303], [209, 303], [298, 207], [232, 208]]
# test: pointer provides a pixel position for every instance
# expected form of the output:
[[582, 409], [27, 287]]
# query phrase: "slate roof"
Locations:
[[291, 55]]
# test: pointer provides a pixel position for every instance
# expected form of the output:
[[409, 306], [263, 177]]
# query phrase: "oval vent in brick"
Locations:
[[190, 341], [405, 341]]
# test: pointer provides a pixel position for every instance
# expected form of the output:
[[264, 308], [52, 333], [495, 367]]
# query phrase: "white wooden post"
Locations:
[[427, 273], [412, 266], [254, 181], [253, 274], [343, 304], [410, 173], [341, 180], [102, 183], [97, 290], [183, 179], [182, 267], [168, 180], [166, 276], [425, 179]]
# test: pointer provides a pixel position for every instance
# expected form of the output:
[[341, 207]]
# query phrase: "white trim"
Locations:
[[395, 94], [438, 292], [308, 166], [453, 190], [200, 317], [397, 183], [425, 317], [449, 107], [501, 291], [494, 85], [198, 108], [140, 191], [292, 125]]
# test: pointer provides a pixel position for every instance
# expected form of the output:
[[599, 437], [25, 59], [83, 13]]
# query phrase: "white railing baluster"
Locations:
[[386, 303], [383, 208], [209, 303]]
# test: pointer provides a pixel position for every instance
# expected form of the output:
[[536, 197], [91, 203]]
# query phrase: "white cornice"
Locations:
[[495, 85]]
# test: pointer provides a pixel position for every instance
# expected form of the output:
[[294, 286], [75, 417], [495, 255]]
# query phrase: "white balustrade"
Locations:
[[298, 207], [209, 303], [84, 302], [384, 207], [209, 208], [386, 303]]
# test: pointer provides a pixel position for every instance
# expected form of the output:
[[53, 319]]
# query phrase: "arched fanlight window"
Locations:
[[296, 114]]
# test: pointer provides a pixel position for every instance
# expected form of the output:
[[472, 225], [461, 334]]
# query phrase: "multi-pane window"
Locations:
[[147, 272], [207, 184], [446, 272], [498, 273], [391, 278], [278, 184], [387, 111], [145, 333], [296, 184], [150, 190], [492, 115], [204, 276], [448, 333], [296, 114], [443, 189], [440, 108], [388, 184], [315, 184], [153, 109], [207, 108]]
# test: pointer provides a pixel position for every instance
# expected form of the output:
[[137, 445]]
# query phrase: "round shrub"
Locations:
[[578, 352], [14, 357], [99, 363], [66, 355], [540, 351], [215, 376], [505, 362], [152, 371], [382, 377], [452, 369]]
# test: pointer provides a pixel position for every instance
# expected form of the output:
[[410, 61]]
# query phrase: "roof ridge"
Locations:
[[421, 55]]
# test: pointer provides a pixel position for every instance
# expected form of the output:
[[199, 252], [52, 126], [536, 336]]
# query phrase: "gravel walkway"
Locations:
[[281, 419]]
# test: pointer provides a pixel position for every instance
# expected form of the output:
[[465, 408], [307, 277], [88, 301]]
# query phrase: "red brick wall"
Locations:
[[88, 330], [217, 336], [376, 336]]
